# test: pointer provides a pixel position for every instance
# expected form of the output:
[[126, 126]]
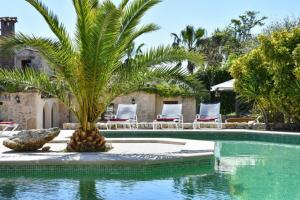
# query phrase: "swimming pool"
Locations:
[[246, 170]]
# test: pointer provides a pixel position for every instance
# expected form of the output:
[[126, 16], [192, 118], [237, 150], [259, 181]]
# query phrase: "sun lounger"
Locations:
[[209, 114], [8, 126], [171, 115], [126, 115]]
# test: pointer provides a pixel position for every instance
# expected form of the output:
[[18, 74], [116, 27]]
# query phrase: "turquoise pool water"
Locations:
[[246, 170]]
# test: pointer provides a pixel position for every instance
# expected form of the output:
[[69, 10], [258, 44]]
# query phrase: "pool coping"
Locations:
[[204, 131], [190, 150], [212, 135], [156, 136]]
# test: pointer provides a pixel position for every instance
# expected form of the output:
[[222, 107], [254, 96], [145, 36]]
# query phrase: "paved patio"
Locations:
[[125, 151]]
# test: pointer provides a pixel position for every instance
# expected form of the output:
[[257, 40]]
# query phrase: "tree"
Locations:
[[288, 23], [253, 82], [189, 39], [242, 27], [296, 55], [225, 45], [267, 75], [91, 67], [280, 49], [234, 40]]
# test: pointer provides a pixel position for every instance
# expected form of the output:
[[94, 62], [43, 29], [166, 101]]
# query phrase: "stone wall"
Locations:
[[23, 113], [145, 105], [29, 110], [150, 105], [188, 106], [64, 115], [187, 126]]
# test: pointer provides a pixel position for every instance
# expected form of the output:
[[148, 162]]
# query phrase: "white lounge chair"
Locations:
[[8, 126], [171, 115], [126, 115], [209, 114]]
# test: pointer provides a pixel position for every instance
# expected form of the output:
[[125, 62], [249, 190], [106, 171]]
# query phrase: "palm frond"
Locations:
[[138, 50], [104, 34], [165, 55], [57, 28], [174, 77], [31, 79], [50, 49], [95, 4], [175, 35], [178, 77], [104, 54], [249, 89], [133, 14], [143, 30], [85, 21], [200, 32], [123, 4]]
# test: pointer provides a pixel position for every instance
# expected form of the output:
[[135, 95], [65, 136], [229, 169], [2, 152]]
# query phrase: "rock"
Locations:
[[30, 140], [45, 149]]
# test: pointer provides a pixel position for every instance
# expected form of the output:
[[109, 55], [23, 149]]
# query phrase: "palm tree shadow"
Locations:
[[88, 190]]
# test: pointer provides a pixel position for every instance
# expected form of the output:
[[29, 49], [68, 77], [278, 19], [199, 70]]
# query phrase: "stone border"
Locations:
[[156, 136], [132, 172], [203, 130], [188, 126], [190, 150], [211, 134]]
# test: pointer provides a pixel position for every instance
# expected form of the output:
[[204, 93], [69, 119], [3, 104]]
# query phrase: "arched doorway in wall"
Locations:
[[31, 123], [54, 115], [46, 116]]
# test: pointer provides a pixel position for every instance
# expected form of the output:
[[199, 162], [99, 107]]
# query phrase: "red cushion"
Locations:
[[118, 120], [8, 123], [165, 119], [206, 119]]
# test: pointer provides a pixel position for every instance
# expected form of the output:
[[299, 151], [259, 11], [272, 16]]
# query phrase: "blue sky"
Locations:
[[170, 15]]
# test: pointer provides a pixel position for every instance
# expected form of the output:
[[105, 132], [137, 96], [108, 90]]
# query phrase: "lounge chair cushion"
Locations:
[[7, 123], [166, 119], [118, 120], [206, 119]]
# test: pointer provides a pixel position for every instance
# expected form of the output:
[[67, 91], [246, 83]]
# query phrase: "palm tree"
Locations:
[[91, 66], [133, 51], [189, 39], [250, 91]]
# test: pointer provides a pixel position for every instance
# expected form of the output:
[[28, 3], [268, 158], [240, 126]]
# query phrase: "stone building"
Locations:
[[23, 58], [30, 58], [31, 110], [150, 105], [7, 28]]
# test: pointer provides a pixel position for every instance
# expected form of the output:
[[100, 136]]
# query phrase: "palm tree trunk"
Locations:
[[190, 67], [87, 139], [266, 119]]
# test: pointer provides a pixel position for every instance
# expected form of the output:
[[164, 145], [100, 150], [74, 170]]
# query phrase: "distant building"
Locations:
[[7, 28], [30, 58], [24, 58]]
